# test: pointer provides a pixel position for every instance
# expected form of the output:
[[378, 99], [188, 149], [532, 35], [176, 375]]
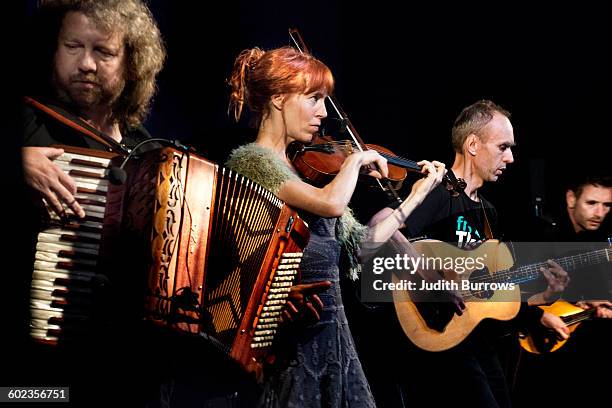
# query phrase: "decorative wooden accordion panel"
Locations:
[[223, 252], [66, 277]]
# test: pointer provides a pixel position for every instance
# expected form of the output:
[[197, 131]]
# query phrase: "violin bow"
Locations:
[[298, 43]]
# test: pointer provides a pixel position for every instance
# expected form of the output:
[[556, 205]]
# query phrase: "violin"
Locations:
[[320, 161]]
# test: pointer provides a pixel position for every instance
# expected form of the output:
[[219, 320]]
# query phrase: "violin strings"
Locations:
[[384, 154]]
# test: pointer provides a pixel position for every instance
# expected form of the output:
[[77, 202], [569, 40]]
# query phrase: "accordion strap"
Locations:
[[79, 125]]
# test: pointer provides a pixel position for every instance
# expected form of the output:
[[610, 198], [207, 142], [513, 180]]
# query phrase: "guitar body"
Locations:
[[501, 305], [546, 341]]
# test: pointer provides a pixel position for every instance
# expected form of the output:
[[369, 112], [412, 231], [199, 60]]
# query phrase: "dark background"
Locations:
[[403, 75]]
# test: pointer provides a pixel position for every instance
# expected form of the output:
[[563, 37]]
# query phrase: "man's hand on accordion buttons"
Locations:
[[44, 176], [303, 303]]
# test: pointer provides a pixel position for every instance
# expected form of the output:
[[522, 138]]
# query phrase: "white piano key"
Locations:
[[51, 275], [41, 334], [44, 305], [46, 314], [67, 157], [44, 295], [99, 199], [56, 248], [51, 257], [43, 325], [57, 232], [66, 167], [93, 184]]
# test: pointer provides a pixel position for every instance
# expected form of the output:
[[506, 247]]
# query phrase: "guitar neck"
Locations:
[[579, 317], [531, 272]]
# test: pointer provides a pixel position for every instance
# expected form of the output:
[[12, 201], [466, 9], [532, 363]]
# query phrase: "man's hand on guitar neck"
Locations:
[[557, 279], [44, 176], [555, 323], [604, 307]]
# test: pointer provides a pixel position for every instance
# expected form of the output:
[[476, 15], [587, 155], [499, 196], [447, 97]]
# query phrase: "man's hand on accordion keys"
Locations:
[[303, 304], [46, 178]]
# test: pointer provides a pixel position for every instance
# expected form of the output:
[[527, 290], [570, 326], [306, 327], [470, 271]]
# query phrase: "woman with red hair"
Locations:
[[285, 90]]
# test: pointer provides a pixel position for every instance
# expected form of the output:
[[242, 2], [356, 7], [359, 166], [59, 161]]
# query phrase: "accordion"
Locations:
[[209, 251], [223, 252]]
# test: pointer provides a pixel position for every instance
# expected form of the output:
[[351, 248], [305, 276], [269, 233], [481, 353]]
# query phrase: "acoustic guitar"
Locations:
[[434, 326]]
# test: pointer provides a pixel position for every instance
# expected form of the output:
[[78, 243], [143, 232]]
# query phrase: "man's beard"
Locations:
[[102, 94]]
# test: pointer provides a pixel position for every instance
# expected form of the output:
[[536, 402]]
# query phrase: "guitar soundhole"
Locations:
[[545, 340], [479, 284]]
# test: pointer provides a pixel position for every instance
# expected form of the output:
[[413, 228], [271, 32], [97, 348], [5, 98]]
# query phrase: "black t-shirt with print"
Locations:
[[461, 221], [457, 220], [474, 364]]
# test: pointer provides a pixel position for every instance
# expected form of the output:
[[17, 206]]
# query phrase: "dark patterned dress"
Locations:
[[323, 370], [321, 367]]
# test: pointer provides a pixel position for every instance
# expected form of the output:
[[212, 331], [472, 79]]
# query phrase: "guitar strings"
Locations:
[[595, 257]]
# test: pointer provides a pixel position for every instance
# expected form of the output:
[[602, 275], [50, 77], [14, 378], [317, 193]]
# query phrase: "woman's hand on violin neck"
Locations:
[[367, 157], [435, 172]]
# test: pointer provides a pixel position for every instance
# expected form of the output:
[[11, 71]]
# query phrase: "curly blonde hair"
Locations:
[[145, 51]]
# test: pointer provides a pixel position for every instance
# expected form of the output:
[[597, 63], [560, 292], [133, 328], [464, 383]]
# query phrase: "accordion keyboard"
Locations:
[[65, 266]]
